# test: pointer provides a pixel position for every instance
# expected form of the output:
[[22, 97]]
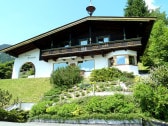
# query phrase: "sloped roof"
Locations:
[[29, 44]]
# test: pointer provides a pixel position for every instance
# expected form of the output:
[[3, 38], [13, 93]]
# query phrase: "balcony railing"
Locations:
[[92, 47]]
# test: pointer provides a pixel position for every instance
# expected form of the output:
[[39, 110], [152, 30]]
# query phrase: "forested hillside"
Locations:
[[4, 46], [3, 56]]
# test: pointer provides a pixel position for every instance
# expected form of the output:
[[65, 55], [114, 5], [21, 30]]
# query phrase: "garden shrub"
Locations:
[[159, 75], [151, 94], [68, 76], [5, 98], [3, 114], [93, 107], [14, 115], [111, 104], [17, 116], [53, 94], [110, 74], [65, 110], [53, 110], [152, 100], [40, 108]]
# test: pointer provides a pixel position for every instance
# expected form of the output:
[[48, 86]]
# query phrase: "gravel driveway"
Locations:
[[40, 124]]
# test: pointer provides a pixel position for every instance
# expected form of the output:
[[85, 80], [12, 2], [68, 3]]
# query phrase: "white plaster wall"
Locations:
[[100, 62], [127, 68], [42, 69], [121, 52]]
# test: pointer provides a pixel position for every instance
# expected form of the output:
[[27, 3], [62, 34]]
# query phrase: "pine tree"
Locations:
[[136, 8]]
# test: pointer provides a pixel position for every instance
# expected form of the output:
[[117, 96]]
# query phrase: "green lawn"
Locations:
[[26, 89]]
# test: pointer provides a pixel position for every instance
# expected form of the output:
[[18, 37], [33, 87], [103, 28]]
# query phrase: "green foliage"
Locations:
[[160, 15], [143, 94], [6, 70], [136, 8], [69, 75], [156, 52], [109, 74], [159, 75], [3, 114], [161, 104], [111, 104], [40, 108], [26, 70], [4, 58], [152, 101], [5, 98], [66, 110], [152, 94], [17, 116], [53, 94], [13, 116], [82, 108]]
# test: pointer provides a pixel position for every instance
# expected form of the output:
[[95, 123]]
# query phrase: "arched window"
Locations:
[[27, 70]]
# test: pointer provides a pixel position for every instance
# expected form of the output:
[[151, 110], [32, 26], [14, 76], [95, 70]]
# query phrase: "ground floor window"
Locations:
[[120, 60], [87, 65], [59, 65], [124, 59], [111, 62], [132, 60]]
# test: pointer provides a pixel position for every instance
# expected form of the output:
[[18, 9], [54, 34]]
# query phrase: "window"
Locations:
[[102, 39], [87, 65], [120, 60], [111, 61], [59, 65], [131, 60], [84, 42], [106, 39], [67, 44]]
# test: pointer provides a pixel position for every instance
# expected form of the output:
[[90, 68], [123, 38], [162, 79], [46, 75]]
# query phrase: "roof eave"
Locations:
[[89, 18]]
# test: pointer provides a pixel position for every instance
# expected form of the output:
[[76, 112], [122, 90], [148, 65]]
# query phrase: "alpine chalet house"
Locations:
[[93, 42]]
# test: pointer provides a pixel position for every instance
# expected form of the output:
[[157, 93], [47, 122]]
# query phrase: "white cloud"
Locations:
[[150, 4]]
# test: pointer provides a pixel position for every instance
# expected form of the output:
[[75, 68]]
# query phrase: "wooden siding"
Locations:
[[91, 48]]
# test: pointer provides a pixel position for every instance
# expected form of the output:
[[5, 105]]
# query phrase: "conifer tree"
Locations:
[[136, 8]]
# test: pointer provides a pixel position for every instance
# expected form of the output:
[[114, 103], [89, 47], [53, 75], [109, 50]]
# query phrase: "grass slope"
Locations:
[[26, 89]]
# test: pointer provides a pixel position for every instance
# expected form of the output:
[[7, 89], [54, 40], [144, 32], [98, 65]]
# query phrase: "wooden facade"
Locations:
[[122, 33]]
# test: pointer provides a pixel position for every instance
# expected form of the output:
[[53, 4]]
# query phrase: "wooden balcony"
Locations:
[[90, 49]]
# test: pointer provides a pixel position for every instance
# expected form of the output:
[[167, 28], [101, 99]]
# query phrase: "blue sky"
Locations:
[[23, 19]]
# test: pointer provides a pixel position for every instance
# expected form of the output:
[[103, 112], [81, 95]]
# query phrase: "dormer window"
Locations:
[[102, 39]]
